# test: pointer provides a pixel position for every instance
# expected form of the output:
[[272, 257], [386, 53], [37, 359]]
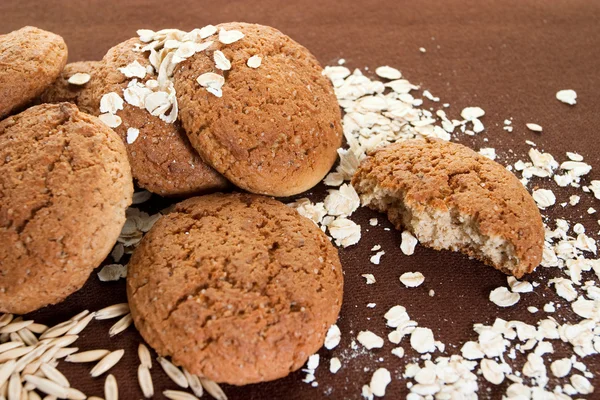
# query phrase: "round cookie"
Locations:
[[162, 159], [238, 288], [61, 90], [64, 186], [276, 128], [451, 197], [31, 59]]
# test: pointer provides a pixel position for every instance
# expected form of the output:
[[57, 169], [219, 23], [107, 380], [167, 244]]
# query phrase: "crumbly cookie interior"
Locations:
[[440, 229]]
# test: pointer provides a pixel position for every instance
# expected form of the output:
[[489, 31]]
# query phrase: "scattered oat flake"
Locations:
[[334, 365], [492, 371], [111, 103], [343, 201], [533, 127], [212, 82], [132, 135], [567, 96], [207, 31], [398, 352], [254, 61], [228, 37], [376, 258], [502, 297], [221, 61], [373, 222], [333, 337], [112, 272], [408, 244], [79, 79], [519, 286], [412, 279], [488, 152], [134, 70], [471, 113], [544, 198], [388, 73], [110, 120], [370, 278], [379, 381], [369, 340], [422, 49], [421, 339], [345, 232], [561, 368]]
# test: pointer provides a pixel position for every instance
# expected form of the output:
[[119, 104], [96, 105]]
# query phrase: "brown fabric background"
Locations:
[[508, 57]]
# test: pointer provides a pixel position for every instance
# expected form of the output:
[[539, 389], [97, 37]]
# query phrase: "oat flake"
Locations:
[[503, 298], [132, 135], [254, 61], [79, 79], [412, 279]]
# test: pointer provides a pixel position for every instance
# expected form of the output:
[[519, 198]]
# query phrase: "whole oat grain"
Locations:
[[31, 60], [64, 186], [275, 129], [451, 197], [236, 288]]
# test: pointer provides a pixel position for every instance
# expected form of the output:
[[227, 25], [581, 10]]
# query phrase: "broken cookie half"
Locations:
[[451, 197]]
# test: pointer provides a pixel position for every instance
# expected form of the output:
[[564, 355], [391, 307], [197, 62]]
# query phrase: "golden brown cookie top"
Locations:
[[449, 176], [276, 128], [31, 60], [235, 287], [64, 186]]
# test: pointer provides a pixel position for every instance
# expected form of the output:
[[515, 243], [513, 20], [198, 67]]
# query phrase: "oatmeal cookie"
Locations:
[[65, 183], [238, 288], [30, 60], [451, 197], [276, 128]]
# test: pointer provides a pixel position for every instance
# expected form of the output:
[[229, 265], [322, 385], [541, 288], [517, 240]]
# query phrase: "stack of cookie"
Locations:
[[235, 287]]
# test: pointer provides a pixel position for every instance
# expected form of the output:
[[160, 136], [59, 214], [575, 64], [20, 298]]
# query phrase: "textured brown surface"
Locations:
[[450, 177], [162, 159], [30, 60], [61, 90], [237, 288], [277, 127], [64, 186], [507, 56]]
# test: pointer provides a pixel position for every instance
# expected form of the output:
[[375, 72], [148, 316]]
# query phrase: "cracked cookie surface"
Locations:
[[30, 60], [238, 288], [276, 128], [162, 158], [454, 198], [64, 186]]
